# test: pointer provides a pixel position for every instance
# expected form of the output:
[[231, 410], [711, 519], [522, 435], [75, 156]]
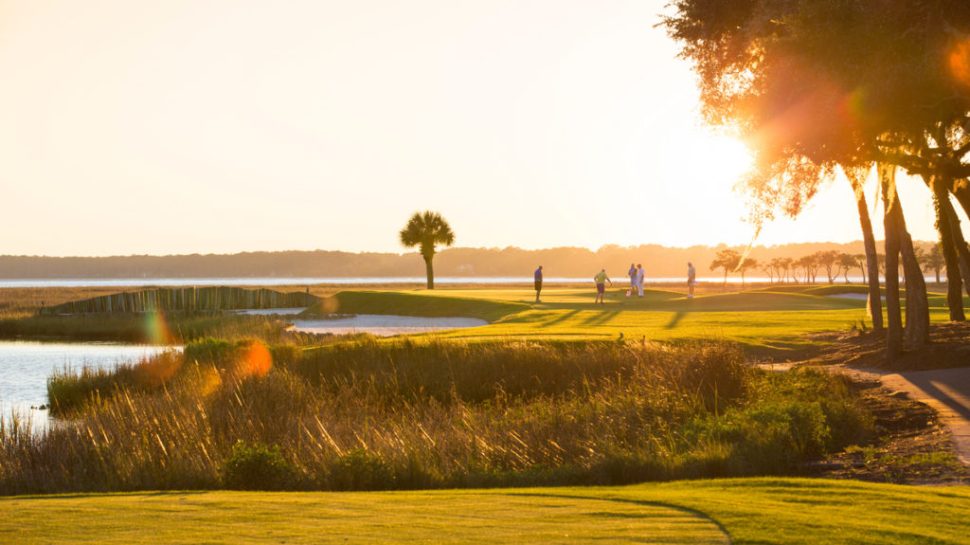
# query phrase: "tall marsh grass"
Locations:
[[369, 415]]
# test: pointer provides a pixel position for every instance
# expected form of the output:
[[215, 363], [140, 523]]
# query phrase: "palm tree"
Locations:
[[426, 230]]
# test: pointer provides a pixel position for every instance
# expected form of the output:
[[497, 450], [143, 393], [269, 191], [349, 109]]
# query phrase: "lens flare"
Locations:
[[256, 361], [156, 328], [210, 381], [854, 106], [959, 62], [159, 369]]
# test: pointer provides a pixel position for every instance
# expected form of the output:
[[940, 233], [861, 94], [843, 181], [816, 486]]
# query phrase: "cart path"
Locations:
[[946, 391]]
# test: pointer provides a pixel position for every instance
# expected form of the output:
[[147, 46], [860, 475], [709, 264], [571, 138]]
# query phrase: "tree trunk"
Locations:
[[961, 190], [917, 306], [869, 241], [963, 252], [894, 333], [954, 288], [917, 303], [429, 268]]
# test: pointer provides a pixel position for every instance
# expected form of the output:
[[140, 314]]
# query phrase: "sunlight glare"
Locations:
[[959, 62]]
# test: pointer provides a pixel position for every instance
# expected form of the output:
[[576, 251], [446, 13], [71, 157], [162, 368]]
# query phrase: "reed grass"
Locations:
[[364, 415]]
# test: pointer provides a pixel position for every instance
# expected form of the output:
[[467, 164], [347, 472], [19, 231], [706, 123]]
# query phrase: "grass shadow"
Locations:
[[675, 319], [672, 506], [601, 318], [562, 318]]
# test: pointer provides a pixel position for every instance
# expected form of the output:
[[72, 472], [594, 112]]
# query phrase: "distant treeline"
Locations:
[[659, 261]]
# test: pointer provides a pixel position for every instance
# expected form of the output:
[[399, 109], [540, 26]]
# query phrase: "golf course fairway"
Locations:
[[741, 511]]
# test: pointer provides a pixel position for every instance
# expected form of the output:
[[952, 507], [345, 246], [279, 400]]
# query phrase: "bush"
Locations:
[[361, 470], [257, 467], [775, 437]]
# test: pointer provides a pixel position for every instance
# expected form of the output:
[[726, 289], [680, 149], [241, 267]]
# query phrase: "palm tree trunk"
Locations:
[[429, 269], [954, 289], [894, 333], [869, 241]]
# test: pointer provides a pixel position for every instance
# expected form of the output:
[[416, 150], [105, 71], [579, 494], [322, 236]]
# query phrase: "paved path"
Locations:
[[947, 391]]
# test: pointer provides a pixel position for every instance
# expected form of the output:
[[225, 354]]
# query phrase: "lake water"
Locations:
[[383, 325], [26, 366], [619, 278]]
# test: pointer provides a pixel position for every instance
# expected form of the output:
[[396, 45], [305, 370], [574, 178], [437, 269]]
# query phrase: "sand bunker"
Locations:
[[383, 325], [270, 311], [854, 296]]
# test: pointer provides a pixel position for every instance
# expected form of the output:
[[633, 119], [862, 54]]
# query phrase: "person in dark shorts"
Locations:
[[538, 282], [691, 279], [601, 279], [632, 273]]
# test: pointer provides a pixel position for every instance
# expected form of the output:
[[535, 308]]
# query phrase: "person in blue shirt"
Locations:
[[538, 281], [632, 273]]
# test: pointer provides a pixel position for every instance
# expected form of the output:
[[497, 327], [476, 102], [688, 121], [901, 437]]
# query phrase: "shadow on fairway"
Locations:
[[675, 319], [601, 318], [562, 318]]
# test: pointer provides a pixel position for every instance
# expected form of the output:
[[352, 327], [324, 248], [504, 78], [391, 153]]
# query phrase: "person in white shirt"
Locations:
[[691, 280], [639, 281]]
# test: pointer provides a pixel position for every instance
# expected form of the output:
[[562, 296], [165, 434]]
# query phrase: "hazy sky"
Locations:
[[170, 126]]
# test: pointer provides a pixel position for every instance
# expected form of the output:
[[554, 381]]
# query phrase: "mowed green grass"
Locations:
[[742, 511], [770, 319]]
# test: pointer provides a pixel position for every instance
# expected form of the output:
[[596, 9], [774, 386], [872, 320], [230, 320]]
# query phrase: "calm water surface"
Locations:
[[26, 366]]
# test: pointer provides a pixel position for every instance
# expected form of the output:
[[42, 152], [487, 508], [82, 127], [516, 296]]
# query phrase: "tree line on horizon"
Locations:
[[825, 89], [659, 261], [807, 268]]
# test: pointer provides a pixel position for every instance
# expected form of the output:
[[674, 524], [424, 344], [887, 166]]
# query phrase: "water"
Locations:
[[26, 366], [619, 278], [383, 325]]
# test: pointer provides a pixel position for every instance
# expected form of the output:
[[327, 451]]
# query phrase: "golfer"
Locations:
[[691, 280], [639, 279], [538, 282], [632, 273], [601, 279]]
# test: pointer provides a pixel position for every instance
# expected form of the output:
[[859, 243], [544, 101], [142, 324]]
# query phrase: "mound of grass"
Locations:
[[412, 304], [762, 301], [836, 289]]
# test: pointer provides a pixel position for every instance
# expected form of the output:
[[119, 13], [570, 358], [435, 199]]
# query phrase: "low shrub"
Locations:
[[255, 466], [361, 470]]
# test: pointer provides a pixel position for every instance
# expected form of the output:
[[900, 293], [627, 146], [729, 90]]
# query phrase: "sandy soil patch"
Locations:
[[383, 325]]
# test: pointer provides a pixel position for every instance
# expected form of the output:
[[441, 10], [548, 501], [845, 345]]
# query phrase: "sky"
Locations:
[[173, 126]]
